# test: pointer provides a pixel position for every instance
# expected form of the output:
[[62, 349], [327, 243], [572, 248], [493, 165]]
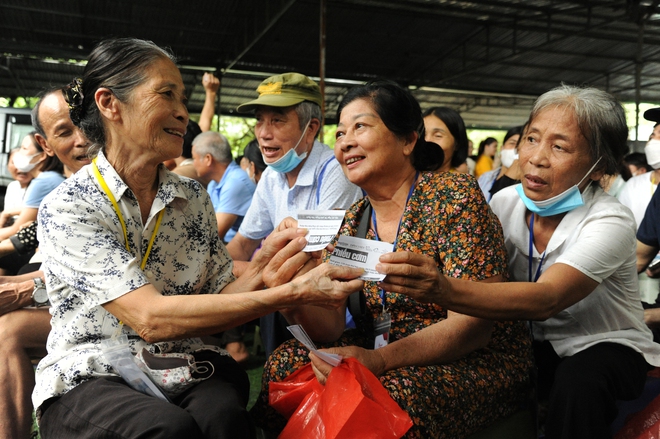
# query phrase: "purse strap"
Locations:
[[357, 302]]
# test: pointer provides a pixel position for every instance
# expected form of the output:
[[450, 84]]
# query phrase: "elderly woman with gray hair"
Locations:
[[134, 265], [572, 258]]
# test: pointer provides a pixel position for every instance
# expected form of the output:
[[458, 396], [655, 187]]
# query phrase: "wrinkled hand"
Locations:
[[281, 256], [414, 275], [371, 359], [210, 82], [326, 286]]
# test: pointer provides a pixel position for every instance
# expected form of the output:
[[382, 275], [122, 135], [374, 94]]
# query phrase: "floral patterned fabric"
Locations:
[[86, 265], [448, 219]]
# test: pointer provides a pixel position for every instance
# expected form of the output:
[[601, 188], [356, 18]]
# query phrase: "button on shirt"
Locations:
[[597, 239], [321, 184], [86, 265], [233, 195]]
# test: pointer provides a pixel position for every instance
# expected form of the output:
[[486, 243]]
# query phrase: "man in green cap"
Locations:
[[302, 172]]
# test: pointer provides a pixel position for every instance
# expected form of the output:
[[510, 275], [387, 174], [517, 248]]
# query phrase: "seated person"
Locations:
[[133, 249], [453, 374], [15, 191], [47, 173], [23, 331], [229, 186], [572, 258]]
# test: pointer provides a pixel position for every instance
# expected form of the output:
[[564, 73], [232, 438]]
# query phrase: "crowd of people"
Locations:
[[139, 233]]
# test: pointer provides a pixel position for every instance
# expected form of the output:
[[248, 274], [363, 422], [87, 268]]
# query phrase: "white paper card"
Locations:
[[302, 337], [360, 253], [322, 226]]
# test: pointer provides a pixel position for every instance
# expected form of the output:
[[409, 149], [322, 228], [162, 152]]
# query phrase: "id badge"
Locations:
[[382, 330]]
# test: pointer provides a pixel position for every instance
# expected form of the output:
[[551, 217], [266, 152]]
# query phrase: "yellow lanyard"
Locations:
[[115, 206]]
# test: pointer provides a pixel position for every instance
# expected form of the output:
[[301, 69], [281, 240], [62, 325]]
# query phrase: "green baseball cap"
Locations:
[[283, 91]]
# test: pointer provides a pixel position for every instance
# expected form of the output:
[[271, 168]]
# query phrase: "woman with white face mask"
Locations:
[[46, 173], [254, 162], [572, 260], [509, 173]]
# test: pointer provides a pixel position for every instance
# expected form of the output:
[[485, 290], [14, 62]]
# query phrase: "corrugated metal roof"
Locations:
[[487, 58]]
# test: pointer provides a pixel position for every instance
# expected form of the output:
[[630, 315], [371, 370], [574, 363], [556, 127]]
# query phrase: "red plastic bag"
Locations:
[[352, 404]]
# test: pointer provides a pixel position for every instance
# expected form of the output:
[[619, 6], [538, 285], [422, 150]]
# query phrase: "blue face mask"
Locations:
[[291, 159], [564, 202]]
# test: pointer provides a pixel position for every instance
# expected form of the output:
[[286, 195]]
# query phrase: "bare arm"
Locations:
[[157, 318], [176, 317], [211, 85], [645, 254], [16, 291], [225, 221], [27, 215], [559, 287], [241, 248]]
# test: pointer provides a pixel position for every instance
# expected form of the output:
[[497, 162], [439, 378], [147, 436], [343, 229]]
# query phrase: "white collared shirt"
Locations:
[[86, 265], [274, 200], [598, 239]]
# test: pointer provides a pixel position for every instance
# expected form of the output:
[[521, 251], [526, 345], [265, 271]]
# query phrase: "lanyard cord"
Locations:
[[396, 238], [531, 248], [115, 206]]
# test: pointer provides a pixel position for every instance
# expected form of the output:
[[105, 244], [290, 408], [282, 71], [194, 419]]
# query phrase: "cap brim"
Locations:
[[270, 101], [653, 114]]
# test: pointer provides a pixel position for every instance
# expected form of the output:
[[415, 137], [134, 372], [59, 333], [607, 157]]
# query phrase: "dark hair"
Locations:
[[482, 145], [192, 131], [512, 132], [456, 127], [119, 65], [253, 154], [637, 159], [50, 163], [599, 116], [401, 114]]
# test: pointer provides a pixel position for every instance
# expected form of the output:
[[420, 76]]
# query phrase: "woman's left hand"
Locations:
[[414, 275], [371, 359]]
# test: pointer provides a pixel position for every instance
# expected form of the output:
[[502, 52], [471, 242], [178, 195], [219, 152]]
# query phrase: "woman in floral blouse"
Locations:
[[132, 256], [453, 374]]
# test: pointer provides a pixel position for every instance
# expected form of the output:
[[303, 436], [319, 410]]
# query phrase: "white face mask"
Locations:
[[251, 176], [508, 156], [652, 151], [22, 162]]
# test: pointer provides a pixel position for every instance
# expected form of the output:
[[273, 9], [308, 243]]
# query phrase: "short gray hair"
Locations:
[[214, 143], [600, 117], [307, 111]]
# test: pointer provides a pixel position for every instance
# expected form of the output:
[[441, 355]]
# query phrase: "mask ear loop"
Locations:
[[589, 172]]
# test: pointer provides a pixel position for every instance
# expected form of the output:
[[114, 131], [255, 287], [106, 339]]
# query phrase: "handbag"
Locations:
[[352, 404], [174, 372]]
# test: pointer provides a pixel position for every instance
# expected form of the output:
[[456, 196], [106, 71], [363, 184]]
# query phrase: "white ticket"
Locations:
[[360, 253], [322, 226], [302, 337]]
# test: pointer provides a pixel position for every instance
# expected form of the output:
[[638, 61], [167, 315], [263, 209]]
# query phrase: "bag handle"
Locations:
[[357, 302]]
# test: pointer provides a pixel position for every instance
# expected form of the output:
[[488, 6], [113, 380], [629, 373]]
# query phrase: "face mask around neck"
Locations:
[[568, 200], [291, 159]]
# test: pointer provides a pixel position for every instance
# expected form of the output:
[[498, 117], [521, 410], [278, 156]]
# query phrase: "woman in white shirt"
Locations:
[[15, 191], [571, 253]]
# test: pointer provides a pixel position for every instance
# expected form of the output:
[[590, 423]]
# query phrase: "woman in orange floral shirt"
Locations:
[[453, 374]]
